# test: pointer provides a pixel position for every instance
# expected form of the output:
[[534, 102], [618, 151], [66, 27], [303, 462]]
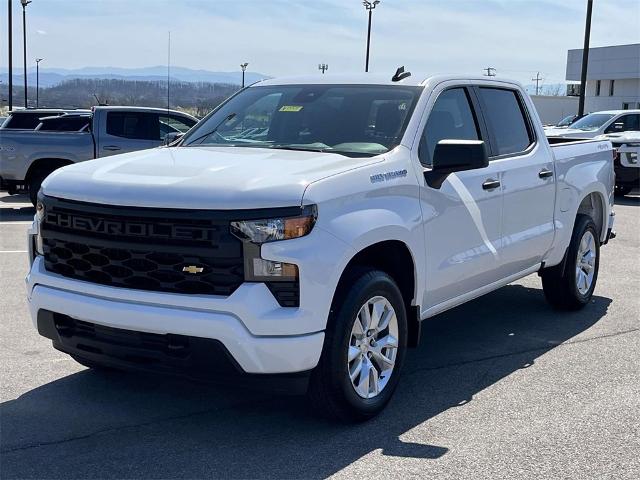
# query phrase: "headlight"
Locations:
[[273, 229], [40, 211], [254, 233]]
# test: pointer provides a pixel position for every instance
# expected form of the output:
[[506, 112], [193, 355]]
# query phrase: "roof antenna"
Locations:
[[400, 74]]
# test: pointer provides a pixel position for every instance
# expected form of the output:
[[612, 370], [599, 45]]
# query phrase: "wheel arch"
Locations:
[[394, 257], [50, 164], [593, 204]]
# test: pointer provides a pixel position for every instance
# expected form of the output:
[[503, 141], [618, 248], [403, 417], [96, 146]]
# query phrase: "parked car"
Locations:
[[599, 123], [303, 230], [29, 156], [28, 119], [627, 160], [565, 122]]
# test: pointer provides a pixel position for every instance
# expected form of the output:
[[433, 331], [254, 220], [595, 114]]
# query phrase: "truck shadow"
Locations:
[[13, 208], [112, 425]]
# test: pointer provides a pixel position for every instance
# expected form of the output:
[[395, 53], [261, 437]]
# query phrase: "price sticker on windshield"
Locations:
[[290, 108]]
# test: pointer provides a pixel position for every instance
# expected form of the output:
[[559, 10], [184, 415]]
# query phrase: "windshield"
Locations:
[[566, 121], [353, 120], [593, 121]]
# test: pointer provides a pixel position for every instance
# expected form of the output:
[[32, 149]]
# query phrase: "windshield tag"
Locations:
[[290, 108]]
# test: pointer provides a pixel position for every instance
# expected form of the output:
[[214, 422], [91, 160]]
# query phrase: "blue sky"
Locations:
[[277, 37]]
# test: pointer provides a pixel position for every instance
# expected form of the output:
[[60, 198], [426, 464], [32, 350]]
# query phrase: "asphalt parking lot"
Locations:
[[503, 387]]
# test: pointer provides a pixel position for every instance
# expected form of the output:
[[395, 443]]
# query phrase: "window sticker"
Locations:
[[290, 108]]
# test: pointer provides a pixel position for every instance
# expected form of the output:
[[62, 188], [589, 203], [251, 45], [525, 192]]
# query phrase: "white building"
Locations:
[[553, 108], [613, 76]]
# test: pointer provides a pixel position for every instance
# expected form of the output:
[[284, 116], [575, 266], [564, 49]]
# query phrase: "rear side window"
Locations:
[[506, 120], [26, 120], [625, 123], [136, 125], [450, 119]]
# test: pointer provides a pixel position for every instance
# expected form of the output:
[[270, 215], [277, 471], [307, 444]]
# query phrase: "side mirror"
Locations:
[[455, 156], [172, 137]]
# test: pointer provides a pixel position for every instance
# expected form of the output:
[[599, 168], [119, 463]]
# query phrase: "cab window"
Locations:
[[452, 118]]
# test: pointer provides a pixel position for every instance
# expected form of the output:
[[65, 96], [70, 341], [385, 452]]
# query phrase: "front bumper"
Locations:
[[191, 316]]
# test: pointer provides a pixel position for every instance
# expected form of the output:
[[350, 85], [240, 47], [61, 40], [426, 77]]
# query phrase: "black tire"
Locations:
[[35, 182], [560, 284], [92, 365], [331, 392], [622, 190]]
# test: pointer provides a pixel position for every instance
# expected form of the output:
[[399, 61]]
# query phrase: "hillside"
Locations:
[[196, 97]]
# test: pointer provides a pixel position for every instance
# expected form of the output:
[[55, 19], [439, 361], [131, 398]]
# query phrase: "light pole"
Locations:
[[38, 60], [369, 6], [243, 66], [10, 42], [585, 58], [323, 67], [24, 47]]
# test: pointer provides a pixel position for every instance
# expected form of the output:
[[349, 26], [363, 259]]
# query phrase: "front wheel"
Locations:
[[364, 348], [571, 287]]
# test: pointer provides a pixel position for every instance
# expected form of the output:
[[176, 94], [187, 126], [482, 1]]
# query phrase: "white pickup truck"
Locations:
[[29, 155], [305, 228]]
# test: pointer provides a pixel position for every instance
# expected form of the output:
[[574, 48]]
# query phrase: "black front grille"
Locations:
[[179, 251], [142, 269]]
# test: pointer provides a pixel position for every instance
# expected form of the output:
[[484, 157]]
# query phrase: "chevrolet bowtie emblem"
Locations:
[[192, 269]]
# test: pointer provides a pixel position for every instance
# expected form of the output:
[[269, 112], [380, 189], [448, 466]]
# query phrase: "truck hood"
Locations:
[[199, 177]]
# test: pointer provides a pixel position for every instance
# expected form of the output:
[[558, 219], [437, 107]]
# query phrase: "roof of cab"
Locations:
[[374, 79]]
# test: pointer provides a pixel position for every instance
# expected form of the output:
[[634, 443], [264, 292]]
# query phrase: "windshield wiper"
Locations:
[[215, 129], [301, 148]]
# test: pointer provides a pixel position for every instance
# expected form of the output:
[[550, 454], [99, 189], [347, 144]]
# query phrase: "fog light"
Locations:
[[274, 270]]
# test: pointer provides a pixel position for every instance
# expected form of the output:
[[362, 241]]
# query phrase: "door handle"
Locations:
[[544, 173], [111, 148], [490, 184]]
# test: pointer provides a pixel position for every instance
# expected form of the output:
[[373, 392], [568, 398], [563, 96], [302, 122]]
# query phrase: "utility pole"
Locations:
[[585, 58], [38, 60], [491, 72], [243, 66], [10, 42], [537, 80], [369, 6], [24, 40], [323, 67]]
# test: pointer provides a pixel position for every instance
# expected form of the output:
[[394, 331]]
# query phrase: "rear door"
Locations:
[[527, 178], [128, 131]]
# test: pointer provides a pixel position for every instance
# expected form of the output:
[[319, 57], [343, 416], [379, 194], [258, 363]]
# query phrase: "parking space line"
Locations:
[[20, 222], [13, 251]]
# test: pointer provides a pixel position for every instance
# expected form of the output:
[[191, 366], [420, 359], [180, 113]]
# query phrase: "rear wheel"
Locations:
[[571, 287], [363, 350]]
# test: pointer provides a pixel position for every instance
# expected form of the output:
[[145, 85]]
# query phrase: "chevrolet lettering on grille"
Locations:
[[135, 229]]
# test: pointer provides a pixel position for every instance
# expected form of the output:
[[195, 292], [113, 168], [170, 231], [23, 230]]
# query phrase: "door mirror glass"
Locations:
[[455, 156]]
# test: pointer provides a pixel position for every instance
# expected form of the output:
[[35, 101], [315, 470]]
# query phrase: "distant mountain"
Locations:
[[53, 76]]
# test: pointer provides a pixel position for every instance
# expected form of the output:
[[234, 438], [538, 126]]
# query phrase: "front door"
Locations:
[[462, 218]]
